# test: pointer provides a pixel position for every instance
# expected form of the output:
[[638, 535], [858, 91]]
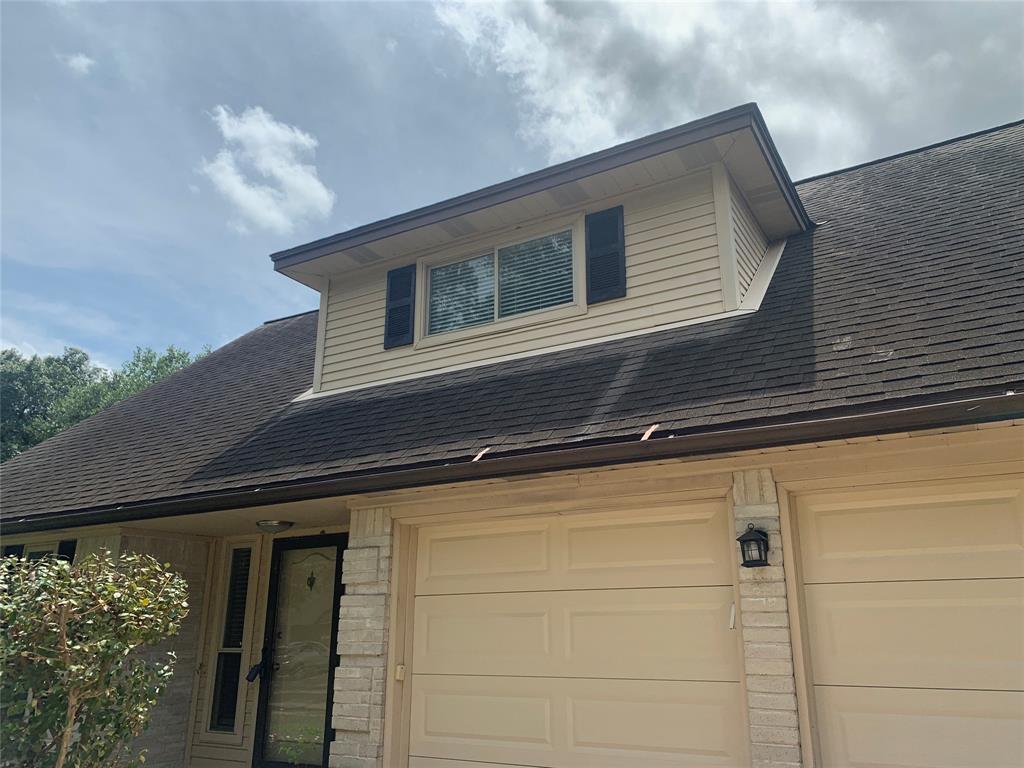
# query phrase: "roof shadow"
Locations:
[[684, 378]]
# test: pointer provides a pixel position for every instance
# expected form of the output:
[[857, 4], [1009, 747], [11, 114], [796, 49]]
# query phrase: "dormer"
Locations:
[[680, 227]]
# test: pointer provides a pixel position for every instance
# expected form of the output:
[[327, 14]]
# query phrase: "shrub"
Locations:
[[73, 688]]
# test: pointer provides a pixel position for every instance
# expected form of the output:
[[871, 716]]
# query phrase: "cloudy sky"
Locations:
[[154, 154]]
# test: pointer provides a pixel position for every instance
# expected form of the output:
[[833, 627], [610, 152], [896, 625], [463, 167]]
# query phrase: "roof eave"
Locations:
[[896, 419], [744, 116]]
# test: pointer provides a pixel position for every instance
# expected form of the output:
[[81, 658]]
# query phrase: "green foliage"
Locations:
[[73, 688], [41, 396], [29, 388]]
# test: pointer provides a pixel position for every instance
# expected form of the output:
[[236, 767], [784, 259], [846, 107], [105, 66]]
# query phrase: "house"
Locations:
[[481, 508]]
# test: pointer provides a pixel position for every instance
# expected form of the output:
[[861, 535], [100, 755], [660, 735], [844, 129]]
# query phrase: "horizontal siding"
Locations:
[[672, 275], [165, 740], [751, 243], [666, 282]]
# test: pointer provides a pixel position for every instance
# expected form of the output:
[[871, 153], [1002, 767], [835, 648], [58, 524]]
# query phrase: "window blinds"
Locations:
[[524, 277], [535, 275]]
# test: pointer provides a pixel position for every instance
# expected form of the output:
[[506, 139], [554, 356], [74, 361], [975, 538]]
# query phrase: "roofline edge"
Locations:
[[912, 151], [743, 116], [949, 413]]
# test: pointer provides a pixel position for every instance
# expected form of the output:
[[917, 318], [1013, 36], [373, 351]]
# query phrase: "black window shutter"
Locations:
[[238, 593], [66, 549], [606, 256], [400, 306]]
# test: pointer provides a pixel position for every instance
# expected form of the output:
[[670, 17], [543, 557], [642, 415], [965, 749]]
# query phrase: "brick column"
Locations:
[[764, 617], [358, 708]]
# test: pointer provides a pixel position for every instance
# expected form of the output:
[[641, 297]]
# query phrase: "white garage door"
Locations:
[[915, 615], [589, 641]]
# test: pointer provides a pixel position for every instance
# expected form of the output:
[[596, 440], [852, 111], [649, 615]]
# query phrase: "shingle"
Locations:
[[910, 287]]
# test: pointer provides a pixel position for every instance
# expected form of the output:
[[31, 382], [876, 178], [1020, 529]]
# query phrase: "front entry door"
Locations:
[[299, 654]]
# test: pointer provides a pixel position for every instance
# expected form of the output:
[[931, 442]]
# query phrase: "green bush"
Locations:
[[73, 688]]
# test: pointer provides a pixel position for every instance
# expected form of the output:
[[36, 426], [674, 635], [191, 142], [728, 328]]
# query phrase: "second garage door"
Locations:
[[577, 641], [915, 616]]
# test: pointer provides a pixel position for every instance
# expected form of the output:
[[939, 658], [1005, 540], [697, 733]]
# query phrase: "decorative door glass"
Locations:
[[300, 656]]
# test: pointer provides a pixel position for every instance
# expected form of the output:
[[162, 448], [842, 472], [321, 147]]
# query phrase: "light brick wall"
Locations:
[[358, 708], [764, 617], [165, 739]]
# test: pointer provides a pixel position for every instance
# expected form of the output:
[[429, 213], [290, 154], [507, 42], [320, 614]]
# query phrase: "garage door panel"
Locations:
[[576, 723], [633, 545], [914, 602], [906, 728], [640, 548], [467, 558], [961, 529], [666, 633], [577, 641], [932, 634], [441, 762], [496, 713]]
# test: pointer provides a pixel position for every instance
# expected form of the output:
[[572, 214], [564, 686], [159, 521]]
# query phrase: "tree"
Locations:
[[41, 396], [73, 689], [29, 387]]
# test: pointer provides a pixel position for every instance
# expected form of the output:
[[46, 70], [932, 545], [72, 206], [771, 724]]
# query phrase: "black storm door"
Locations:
[[293, 721]]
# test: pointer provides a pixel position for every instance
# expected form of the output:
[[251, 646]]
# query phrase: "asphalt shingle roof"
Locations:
[[908, 289]]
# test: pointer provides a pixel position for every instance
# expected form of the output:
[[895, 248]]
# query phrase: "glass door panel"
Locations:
[[299, 652]]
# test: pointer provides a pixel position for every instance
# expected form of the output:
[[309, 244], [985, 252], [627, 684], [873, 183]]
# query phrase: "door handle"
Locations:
[[259, 669]]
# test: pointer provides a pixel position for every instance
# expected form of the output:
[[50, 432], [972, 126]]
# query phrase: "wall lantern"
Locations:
[[753, 547], [274, 526]]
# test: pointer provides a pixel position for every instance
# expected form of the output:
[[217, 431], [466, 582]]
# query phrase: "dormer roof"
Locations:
[[738, 138]]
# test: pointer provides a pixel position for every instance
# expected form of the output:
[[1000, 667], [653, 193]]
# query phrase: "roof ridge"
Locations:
[[289, 317], [906, 152]]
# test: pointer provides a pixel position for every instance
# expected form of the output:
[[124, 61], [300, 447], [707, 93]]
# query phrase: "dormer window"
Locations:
[[529, 276], [461, 294], [550, 272], [672, 229]]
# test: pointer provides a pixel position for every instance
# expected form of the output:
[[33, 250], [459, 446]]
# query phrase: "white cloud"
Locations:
[[79, 64], [32, 339], [590, 75], [28, 340], [568, 105], [262, 173], [81, 319], [391, 44]]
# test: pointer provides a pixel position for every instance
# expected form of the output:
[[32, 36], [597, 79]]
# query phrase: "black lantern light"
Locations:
[[753, 547]]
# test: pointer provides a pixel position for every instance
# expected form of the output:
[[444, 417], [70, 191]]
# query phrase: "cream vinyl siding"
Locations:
[[914, 599], [93, 545], [672, 275], [749, 242], [593, 641]]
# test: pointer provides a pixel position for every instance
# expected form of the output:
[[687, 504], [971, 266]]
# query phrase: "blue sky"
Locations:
[[154, 154]]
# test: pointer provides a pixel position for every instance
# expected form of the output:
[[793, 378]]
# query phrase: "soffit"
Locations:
[[740, 151]]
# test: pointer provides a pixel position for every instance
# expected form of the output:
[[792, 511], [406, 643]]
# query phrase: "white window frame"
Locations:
[[577, 306], [48, 547], [43, 546], [215, 636]]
